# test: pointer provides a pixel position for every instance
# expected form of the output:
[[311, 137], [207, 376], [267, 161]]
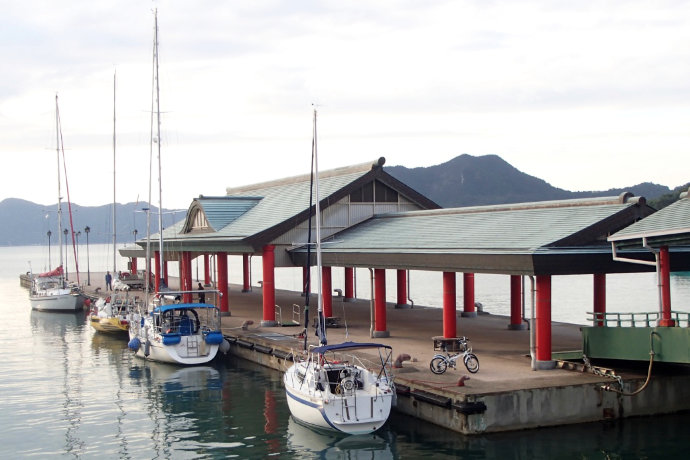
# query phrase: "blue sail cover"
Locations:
[[349, 346], [182, 306]]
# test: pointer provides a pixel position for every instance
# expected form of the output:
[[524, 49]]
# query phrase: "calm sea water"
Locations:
[[68, 392]]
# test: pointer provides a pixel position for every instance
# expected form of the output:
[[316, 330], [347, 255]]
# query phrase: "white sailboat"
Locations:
[[174, 331], [50, 291], [333, 388]]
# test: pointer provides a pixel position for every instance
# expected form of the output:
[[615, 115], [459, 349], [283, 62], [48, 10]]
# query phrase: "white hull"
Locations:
[[361, 409], [57, 302], [191, 350]]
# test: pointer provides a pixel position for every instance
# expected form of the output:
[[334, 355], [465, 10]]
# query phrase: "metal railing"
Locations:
[[636, 319]]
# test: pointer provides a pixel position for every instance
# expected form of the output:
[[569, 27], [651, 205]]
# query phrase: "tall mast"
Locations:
[[59, 203], [158, 142], [317, 212], [114, 202]]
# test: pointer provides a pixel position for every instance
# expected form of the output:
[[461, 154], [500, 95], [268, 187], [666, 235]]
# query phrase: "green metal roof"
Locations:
[[497, 239], [669, 226], [222, 211]]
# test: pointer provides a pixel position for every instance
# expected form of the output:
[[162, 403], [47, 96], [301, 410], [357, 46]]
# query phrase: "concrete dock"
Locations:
[[506, 394]]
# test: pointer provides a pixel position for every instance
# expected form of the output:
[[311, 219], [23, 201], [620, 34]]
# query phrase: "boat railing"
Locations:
[[635, 319]]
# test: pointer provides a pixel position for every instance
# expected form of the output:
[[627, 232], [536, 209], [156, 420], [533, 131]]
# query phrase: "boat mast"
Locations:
[[158, 142], [321, 331], [114, 224], [59, 203]]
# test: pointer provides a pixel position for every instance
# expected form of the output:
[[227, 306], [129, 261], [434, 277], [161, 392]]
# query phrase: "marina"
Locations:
[[402, 433], [107, 403]]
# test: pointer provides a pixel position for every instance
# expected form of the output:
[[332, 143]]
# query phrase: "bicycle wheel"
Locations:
[[438, 365], [471, 362]]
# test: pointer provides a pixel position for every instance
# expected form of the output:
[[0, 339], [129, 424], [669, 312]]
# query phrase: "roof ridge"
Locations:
[[623, 198], [362, 167]]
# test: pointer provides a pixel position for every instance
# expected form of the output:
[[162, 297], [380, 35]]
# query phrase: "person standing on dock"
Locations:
[[202, 295], [108, 282]]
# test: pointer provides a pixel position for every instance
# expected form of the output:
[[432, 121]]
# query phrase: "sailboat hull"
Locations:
[[190, 351], [57, 302], [111, 325]]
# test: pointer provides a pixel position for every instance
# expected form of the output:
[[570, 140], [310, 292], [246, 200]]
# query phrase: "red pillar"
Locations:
[[269, 293], [599, 298], [349, 284], [402, 289], [305, 277], [450, 328], [543, 323], [469, 310], [134, 266], [156, 270], [180, 269], [187, 259], [516, 323], [665, 287], [207, 270], [245, 273], [222, 269], [380, 327], [327, 291]]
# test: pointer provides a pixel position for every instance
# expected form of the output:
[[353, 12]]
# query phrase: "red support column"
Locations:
[[450, 327], [469, 311], [665, 287], [402, 289], [133, 268], [207, 270], [516, 323], [327, 291], [269, 293], [181, 270], [245, 273], [187, 260], [543, 323], [599, 298], [380, 327], [156, 270], [349, 284], [222, 269], [305, 278]]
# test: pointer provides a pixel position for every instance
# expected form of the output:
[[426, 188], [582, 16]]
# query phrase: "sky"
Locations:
[[587, 95]]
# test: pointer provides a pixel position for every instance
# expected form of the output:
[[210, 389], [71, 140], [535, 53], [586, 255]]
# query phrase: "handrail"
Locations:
[[635, 319]]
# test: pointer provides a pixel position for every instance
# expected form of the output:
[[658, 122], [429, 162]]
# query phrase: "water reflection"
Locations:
[[64, 343], [306, 442], [57, 323]]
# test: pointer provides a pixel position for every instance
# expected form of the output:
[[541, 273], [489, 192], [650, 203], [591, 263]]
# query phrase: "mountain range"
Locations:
[[475, 181], [463, 181], [26, 223]]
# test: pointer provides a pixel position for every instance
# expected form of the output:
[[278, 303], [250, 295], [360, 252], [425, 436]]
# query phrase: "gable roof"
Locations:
[[251, 216]]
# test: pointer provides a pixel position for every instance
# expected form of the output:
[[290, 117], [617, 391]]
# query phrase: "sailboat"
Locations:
[[112, 314], [50, 291], [176, 330], [333, 388]]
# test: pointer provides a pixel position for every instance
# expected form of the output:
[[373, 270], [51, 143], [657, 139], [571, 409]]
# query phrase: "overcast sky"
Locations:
[[586, 95]]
